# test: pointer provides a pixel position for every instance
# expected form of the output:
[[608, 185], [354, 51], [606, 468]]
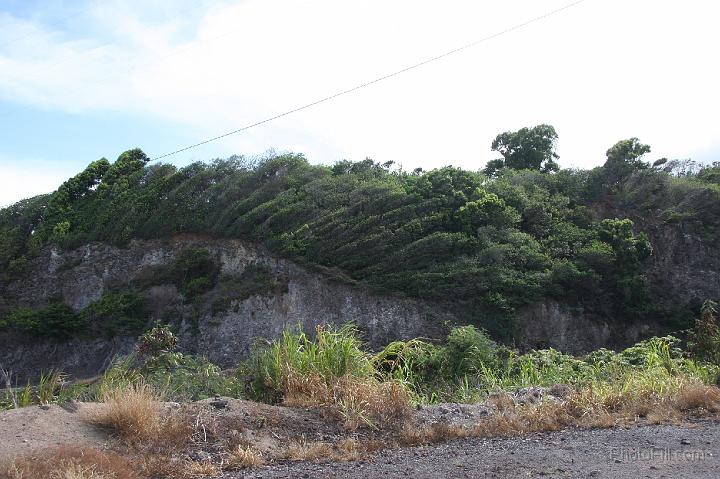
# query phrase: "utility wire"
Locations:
[[377, 80]]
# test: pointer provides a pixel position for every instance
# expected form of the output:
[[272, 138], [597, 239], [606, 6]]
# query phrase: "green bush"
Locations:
[[175, 376], [468, 366], [467, 350], [194, 272], [117, 313], [56, 320], [156, 341], [113, 313]]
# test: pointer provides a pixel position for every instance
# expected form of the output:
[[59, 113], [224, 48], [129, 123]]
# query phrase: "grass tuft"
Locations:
[[132, 411], [68, 462], [245, 457]]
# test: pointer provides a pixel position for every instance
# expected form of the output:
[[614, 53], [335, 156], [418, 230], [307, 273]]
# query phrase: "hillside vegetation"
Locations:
[[485, 242]]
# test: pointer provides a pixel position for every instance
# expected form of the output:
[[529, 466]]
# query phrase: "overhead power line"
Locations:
[[377, 80]]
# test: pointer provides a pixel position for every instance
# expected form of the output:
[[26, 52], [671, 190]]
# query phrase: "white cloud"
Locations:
[[599, 72]]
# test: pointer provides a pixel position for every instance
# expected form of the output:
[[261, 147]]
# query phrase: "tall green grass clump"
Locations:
[[329, 370], [280, 367]]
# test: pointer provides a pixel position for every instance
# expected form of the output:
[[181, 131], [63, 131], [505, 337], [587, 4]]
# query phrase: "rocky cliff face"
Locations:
[[684, 266], [555, 325], [224, 336]]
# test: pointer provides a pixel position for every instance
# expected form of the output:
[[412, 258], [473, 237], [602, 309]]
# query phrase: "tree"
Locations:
[[685, 168], [628, 151], [525, 149], [624, 158], [710, 174], [127, 163]]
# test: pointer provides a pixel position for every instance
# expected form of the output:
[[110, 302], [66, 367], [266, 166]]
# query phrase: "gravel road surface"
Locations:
[[687, 451]]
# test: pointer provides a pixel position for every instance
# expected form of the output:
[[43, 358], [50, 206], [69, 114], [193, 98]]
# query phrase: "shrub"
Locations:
[[56, 320], [181, 377], [329, 369], [438, 372], [115, 313], [467, 349], [172, 375], [111, 314], [194, 271], [159, 339]]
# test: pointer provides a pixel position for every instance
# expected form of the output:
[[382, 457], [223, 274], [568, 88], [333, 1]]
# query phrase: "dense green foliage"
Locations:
[[466, 368], [112, 314], [484, 245], [193, 271], [469, 366], [173, 375], [57, 320], [331, 354], [525, 149]]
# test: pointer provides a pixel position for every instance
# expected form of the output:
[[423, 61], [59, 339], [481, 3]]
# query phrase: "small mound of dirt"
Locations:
[[39, 427]]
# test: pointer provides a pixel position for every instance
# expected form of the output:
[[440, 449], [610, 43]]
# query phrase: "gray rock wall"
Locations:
[[81, 276], [555, 325]]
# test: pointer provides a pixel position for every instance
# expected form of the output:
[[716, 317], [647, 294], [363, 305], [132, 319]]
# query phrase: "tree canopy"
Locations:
[[525, 149]]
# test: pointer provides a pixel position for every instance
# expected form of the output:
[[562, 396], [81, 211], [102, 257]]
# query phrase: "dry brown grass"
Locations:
[[593, 408], [353, 450], [368, 402], [361, 402], [305, 390], [308, 451], [137, 416], [132, 411], [198, 470], [344, 450], [244, 457], [698, 397], [158, 440], [68, 462]]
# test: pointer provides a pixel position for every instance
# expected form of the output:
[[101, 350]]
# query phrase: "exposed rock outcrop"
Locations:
[[307, 298], [555, 325]]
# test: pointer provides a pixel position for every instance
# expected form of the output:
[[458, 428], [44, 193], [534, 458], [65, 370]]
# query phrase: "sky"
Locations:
[[85, 79]]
